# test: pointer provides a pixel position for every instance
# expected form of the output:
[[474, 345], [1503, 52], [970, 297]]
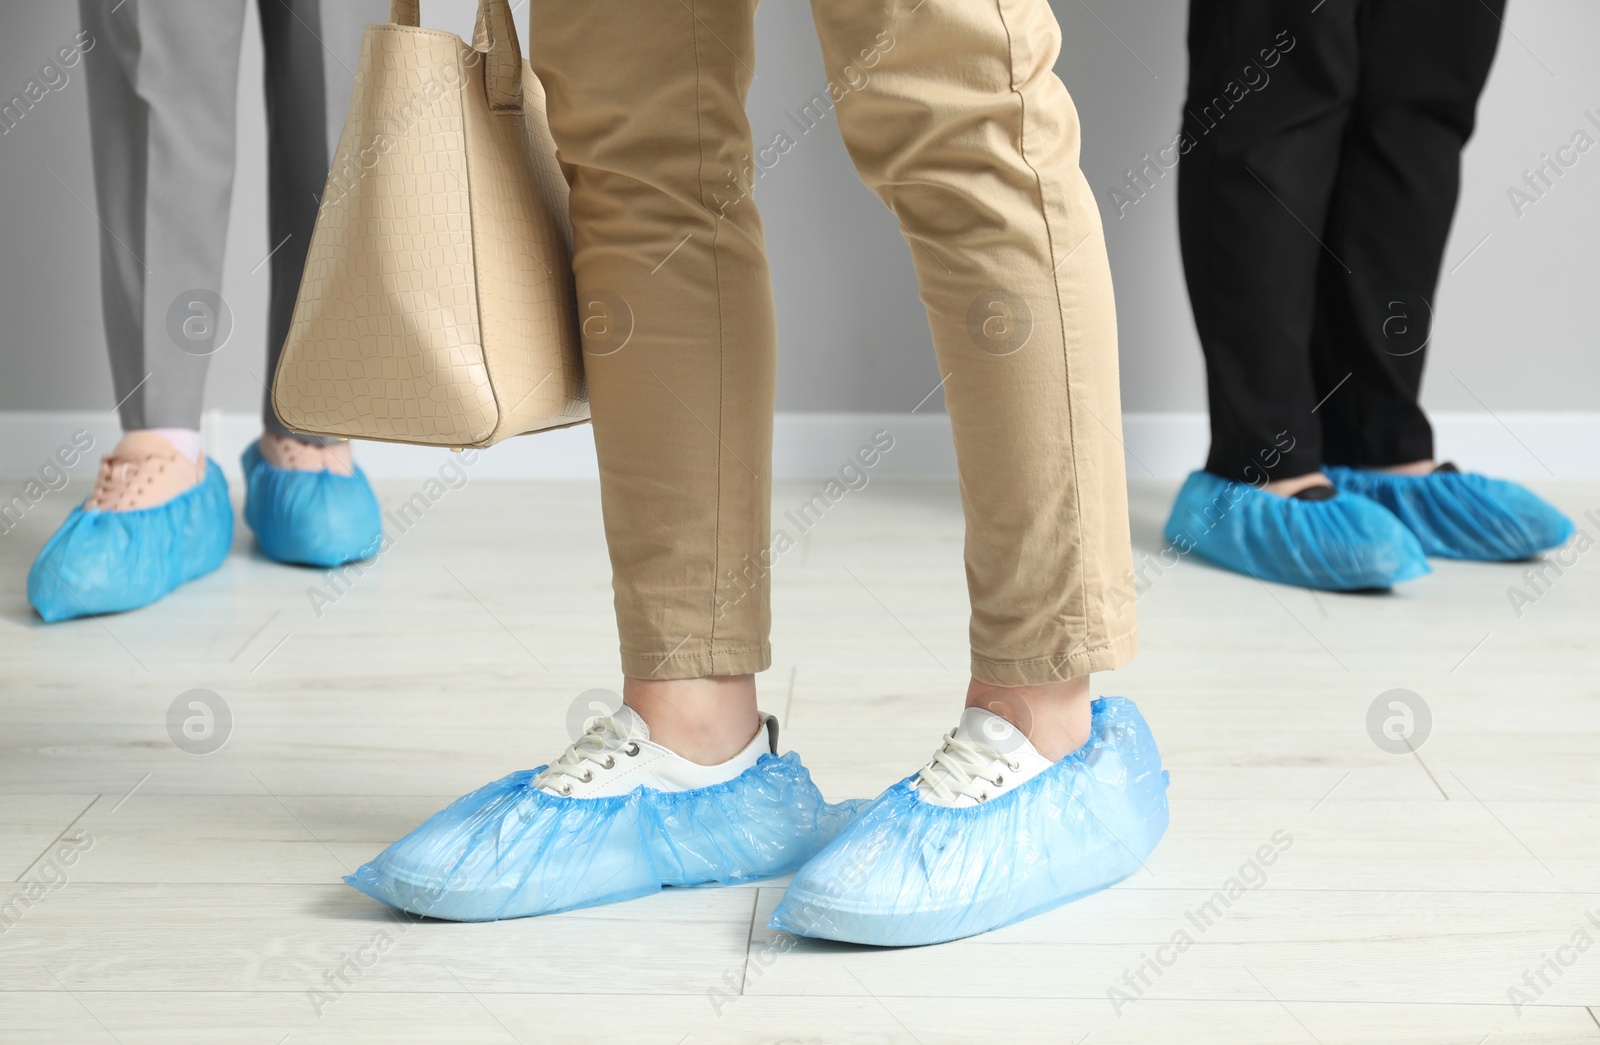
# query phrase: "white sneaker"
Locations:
[[911, 869], [982, 758], [616, 816], [616, 756]]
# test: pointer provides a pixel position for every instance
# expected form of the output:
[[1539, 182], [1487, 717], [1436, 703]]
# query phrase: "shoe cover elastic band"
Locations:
[[509, 851], [107, 561], [907, 871], [310, 518], [1462, 515], [1345, 543]]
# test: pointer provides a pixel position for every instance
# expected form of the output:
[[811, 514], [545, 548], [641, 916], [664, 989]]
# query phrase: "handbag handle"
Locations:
[[495, 36]]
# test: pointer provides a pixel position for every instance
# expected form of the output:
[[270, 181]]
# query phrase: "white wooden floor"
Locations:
[[204, 902]]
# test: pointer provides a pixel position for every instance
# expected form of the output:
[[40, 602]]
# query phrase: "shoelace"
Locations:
[[599, 746], [119, 477], [958, 768]]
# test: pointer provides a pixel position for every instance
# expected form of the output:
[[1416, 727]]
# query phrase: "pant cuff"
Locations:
[[1301, 461], [696, 665], [1386, 455], [1058, 668]]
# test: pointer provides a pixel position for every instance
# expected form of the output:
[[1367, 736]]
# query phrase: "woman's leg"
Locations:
[[297, 168], [682, 785], [162, 81], [1423, 67], [1399, 175], [646, 105], [1270, 92], [645, 100], [954, 118], [1271, 95], [303, 497]]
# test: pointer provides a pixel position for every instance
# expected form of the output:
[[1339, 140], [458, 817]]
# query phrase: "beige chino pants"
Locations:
[[963, 130]]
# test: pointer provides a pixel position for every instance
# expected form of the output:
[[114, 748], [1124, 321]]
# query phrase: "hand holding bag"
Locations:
[[437, 303]]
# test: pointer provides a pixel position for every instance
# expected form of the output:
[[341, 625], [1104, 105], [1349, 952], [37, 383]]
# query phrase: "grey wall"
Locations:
[[1515, 329], [1515, 324], [52, 345]]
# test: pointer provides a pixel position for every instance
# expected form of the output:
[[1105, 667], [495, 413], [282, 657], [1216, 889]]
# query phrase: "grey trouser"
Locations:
[[162, 78]]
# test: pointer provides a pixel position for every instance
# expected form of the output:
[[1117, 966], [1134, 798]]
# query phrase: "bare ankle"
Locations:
[[1055, 716], [1410, 468], [705, 720], [1293, 485]]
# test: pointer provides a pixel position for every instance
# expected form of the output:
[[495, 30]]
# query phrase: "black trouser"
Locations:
[[1320, 169]]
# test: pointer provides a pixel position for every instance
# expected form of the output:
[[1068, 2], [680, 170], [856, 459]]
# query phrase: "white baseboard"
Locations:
[[1529, 444], [1521, 445]]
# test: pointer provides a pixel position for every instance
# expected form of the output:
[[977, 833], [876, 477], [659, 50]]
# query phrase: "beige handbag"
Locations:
[[437, 302]]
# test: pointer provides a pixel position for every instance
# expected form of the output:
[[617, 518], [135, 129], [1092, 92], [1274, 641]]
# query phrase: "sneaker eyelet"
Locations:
[[1013, 766], [566, 790], [999, 780], [632, 749], [610, 762], [588, 775], [983, 796]]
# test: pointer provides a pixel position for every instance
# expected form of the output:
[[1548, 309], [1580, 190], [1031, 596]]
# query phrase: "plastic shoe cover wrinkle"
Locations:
[[510, 850], [310, 518], [1345, 543], [111, 561], [1463, 515], [907, 871]]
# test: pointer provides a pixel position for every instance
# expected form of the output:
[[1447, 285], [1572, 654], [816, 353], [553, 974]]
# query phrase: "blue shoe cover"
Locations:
[[1346, 543], [310, 518], [907, 872], [107, 562], [1459, 515], [509, 851]]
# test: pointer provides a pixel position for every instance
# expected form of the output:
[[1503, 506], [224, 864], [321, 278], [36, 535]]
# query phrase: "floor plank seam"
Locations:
[[254, 635]]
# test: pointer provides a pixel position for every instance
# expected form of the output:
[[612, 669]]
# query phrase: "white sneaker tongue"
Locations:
[[629, 725], [979, 726]]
